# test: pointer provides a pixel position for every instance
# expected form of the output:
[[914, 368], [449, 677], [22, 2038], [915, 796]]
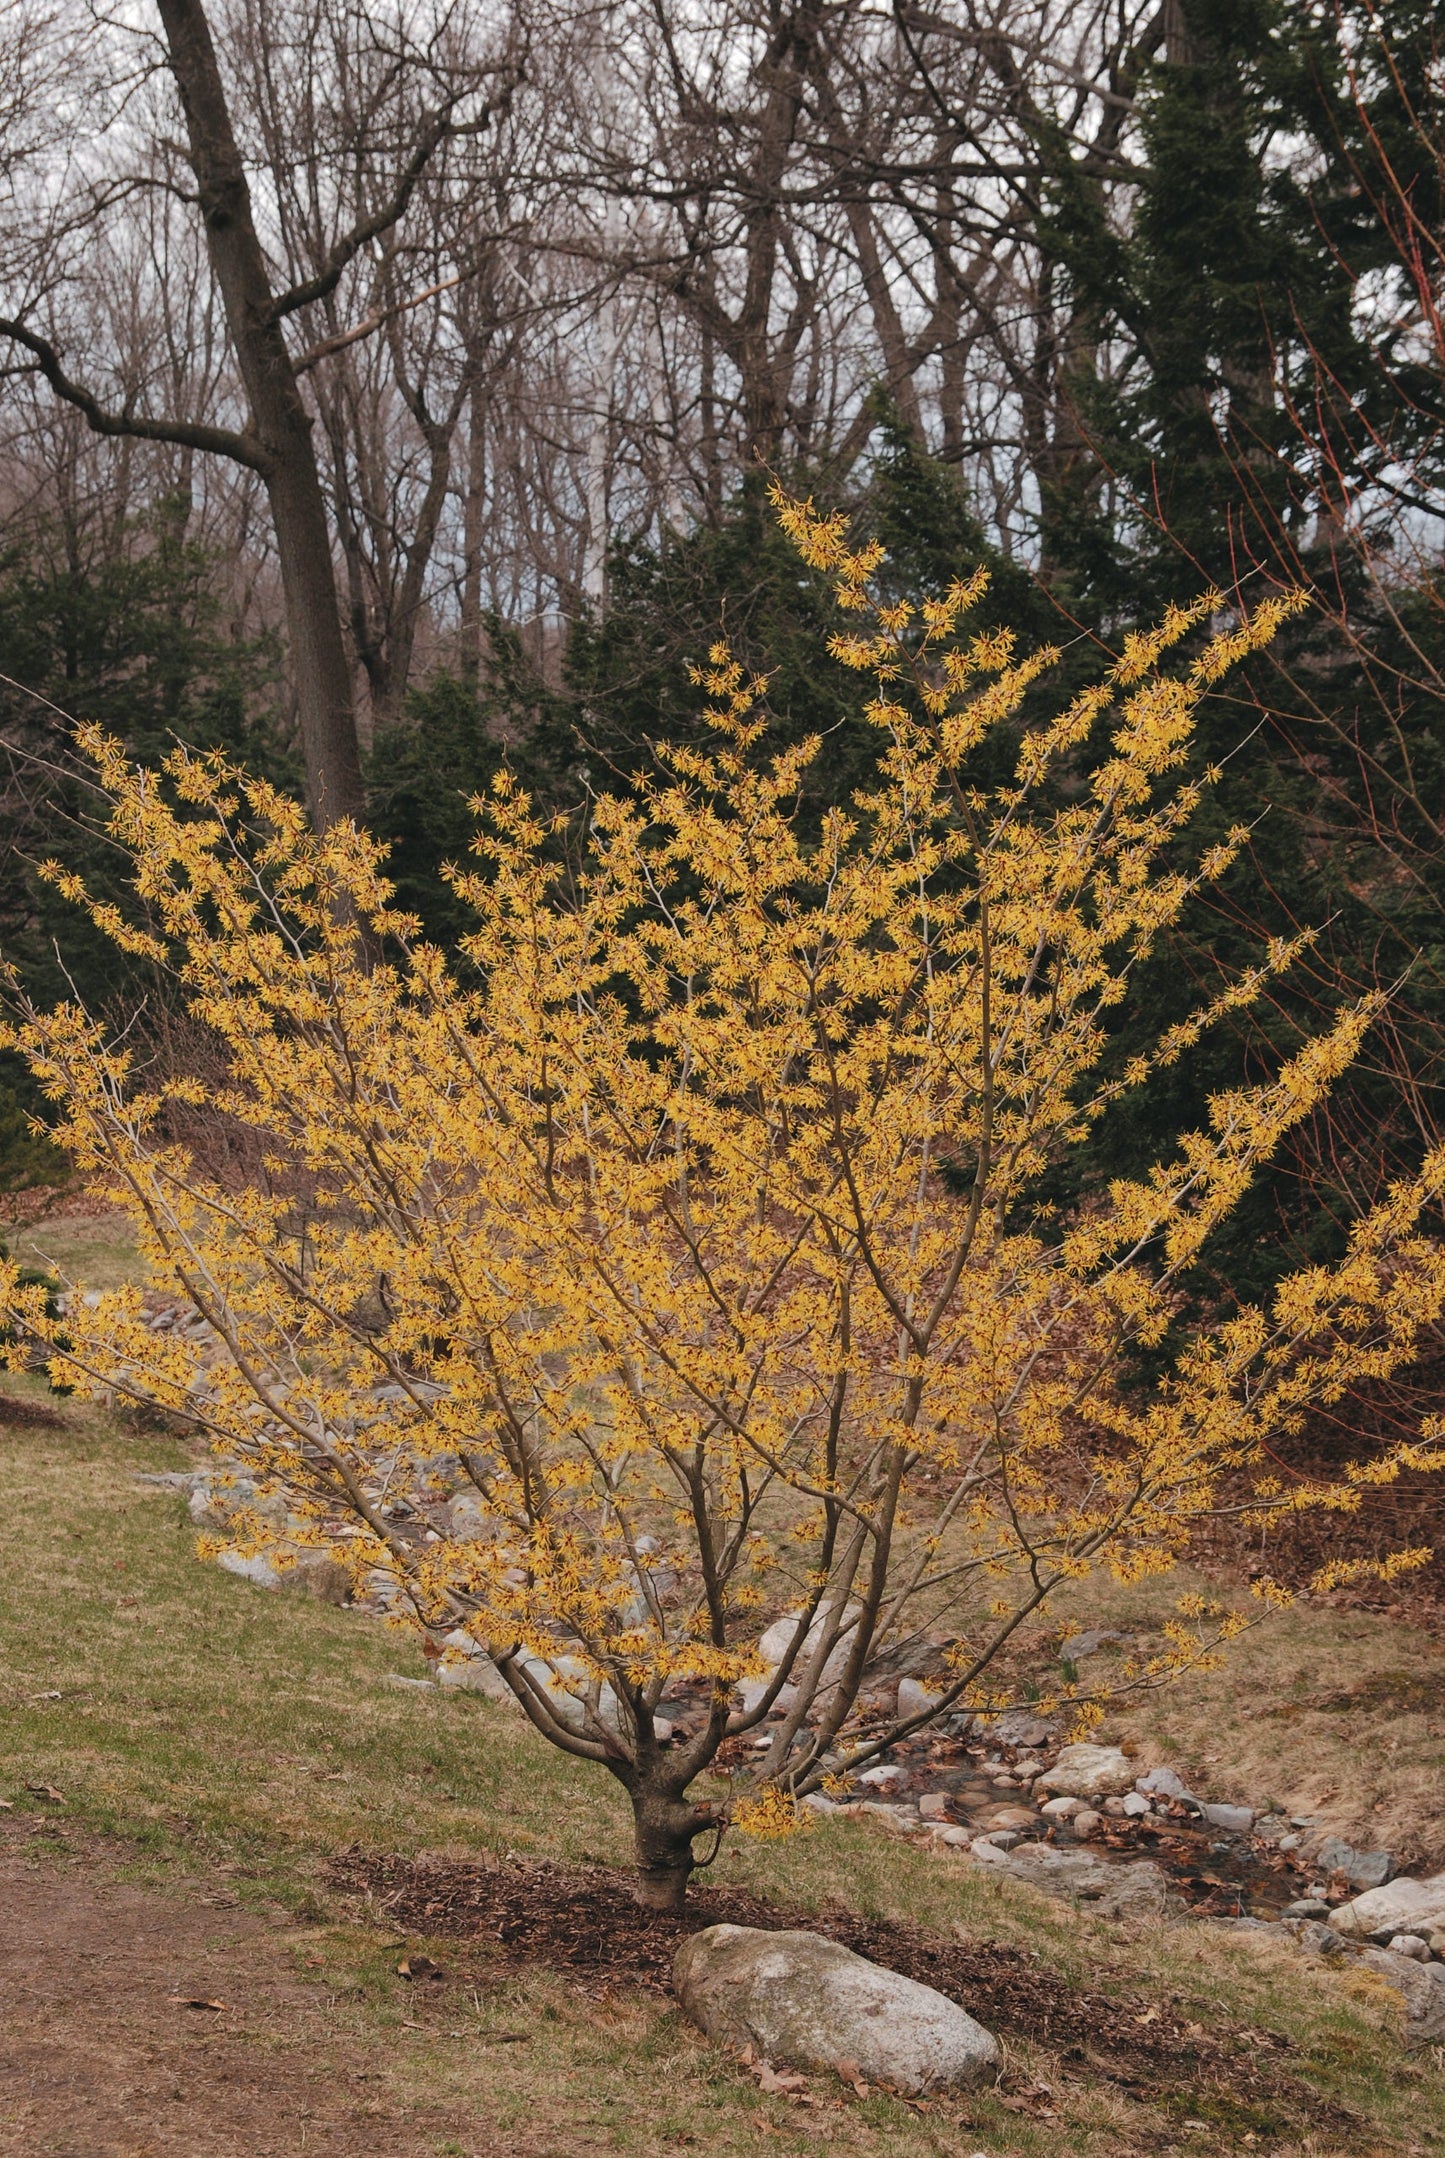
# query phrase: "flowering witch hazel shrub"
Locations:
[[619, 1253]]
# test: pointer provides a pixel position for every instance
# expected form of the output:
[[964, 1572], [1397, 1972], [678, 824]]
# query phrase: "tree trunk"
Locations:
[[321, 669], [664, 1825]]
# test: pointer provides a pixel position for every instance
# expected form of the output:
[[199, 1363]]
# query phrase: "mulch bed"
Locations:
[[18, 1413], [583, 1920]]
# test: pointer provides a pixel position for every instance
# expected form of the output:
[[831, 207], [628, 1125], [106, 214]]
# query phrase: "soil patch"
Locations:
[[100, 2058], [583, 1920]]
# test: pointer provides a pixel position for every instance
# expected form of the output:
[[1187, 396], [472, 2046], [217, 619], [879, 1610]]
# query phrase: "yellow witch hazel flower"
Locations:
[[666, 1300]]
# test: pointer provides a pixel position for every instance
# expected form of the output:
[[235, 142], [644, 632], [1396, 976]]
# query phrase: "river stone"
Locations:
[[799, 1998], [1406, 1906], [1422, 1988], [1234, 1820], [1086, 1771], [775, 1643], [915, 1699], [1137, 1890], [250, 1568], [1362, 1869], [1163, 1783]]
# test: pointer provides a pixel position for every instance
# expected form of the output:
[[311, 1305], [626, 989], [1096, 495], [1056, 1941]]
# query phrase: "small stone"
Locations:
[[1114, 1807], [1087, 1822], [1161, 1783], [1135, 1805], [902, 1820], [408, 1685], [1307, 1907], [1090, 1642], [1009, 1817], [933, 1805], [987, 1852], [1411, 1945], [1002, 1839], [1061, 1809], [817, 1803], [957, 1839], [1362, 1869], [915, 1699], [1236, 1820], [1291, 1842], [881, 1777], [798, 1998]]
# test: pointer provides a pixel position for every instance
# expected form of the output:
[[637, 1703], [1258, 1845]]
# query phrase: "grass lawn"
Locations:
[[221, 1734]]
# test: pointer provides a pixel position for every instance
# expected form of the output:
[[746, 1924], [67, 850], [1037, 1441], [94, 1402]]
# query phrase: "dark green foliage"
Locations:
[[421, 778], [121, 628]]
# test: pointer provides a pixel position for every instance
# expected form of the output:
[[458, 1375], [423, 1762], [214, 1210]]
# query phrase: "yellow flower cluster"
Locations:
[[681, 1259]]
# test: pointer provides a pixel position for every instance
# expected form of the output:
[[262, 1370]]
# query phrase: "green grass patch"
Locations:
[[238, 1737]]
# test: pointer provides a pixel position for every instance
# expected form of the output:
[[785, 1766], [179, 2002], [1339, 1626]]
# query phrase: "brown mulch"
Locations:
[[18, 1414], [583, 1920]]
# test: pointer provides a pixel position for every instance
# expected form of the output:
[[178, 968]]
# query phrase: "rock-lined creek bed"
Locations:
[[1081, 1823]]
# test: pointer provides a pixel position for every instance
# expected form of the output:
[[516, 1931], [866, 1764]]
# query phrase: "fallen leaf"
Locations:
[[7, 1805], [778, 2083], [419, 1967], [1150, 2015], [46, 1790], [52, 1695], [189, 2000]]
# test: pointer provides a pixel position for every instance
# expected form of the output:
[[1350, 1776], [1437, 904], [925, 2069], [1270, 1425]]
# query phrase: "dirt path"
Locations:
[[98, 2061]]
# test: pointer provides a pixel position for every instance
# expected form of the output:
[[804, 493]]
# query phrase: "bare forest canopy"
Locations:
[[387, 391]]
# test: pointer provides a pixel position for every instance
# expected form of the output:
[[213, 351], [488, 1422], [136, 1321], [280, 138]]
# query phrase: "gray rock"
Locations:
[[1405, 1906], [1163, 1783], [880, 1778], [1235, 1820], [1092, 1640], [1134, 1805], [987, 1852], [319, 1574], [798, 1998], [1088, 1772], [1307, 1907], [1002, 1839], [1421, 1986], [402, 1684], [1312, 1935], [1020, 1727], [914, 1699], [475, 1673], [1411, 1945], [1138, 1890], [778, 1639], [1362, 1869], [255, 1568]]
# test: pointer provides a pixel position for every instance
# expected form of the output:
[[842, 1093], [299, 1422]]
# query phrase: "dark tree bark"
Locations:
[[279, 421]]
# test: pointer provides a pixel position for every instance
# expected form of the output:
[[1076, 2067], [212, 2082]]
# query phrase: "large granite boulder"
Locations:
[[798, 1998]]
